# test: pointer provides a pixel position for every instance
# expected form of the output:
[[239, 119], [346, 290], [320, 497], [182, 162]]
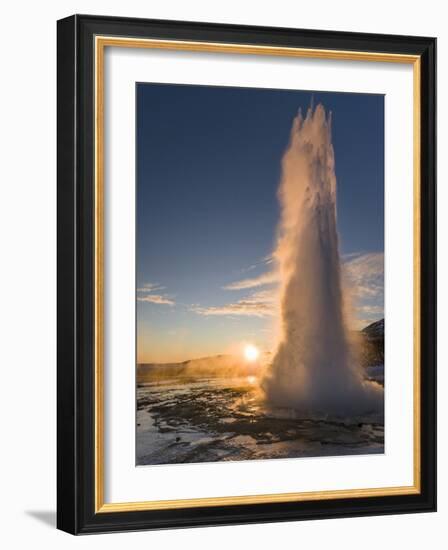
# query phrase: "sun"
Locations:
[[251, 353]]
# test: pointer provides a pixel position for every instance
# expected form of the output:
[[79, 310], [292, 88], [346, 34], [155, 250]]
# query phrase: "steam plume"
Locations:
[[313, 369]]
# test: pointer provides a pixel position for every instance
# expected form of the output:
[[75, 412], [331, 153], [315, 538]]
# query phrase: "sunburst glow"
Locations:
[[251, 353]]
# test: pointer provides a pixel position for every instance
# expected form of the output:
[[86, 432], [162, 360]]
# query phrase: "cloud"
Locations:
[[258, 304], [263, 279], [150, 287], [156, 299], [366, 314], [266, 260], [266, 278], [370, 311], [266, 296], [365, 273], [148, 296], [350, 256]]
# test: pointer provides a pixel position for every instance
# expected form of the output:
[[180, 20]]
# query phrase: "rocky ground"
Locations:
[[215, 419]]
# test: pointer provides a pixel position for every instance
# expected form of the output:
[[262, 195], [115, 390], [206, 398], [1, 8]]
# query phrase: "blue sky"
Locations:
[[208, 168]]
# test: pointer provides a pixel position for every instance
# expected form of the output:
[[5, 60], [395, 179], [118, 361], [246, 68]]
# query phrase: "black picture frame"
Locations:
[[76, 512]]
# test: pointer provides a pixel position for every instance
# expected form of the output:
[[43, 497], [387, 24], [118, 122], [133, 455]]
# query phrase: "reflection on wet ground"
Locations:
[[184, 420]]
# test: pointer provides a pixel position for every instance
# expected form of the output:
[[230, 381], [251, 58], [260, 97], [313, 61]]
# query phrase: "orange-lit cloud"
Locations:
[[150, 287], [263, 279], [156, 299], [146, 295], [258, 304]]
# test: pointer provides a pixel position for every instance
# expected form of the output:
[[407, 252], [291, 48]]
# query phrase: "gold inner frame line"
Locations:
[[101, 42]]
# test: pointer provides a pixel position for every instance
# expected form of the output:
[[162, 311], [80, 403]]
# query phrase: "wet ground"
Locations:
[[217, 419]]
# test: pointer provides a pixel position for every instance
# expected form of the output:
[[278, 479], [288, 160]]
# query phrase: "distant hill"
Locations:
[[373, 344], [375, 329]]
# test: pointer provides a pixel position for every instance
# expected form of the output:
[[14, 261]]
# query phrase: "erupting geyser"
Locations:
[[313, 370]]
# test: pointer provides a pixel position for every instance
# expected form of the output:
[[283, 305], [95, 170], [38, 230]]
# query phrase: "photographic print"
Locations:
[[230, 199], [260, 274]]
